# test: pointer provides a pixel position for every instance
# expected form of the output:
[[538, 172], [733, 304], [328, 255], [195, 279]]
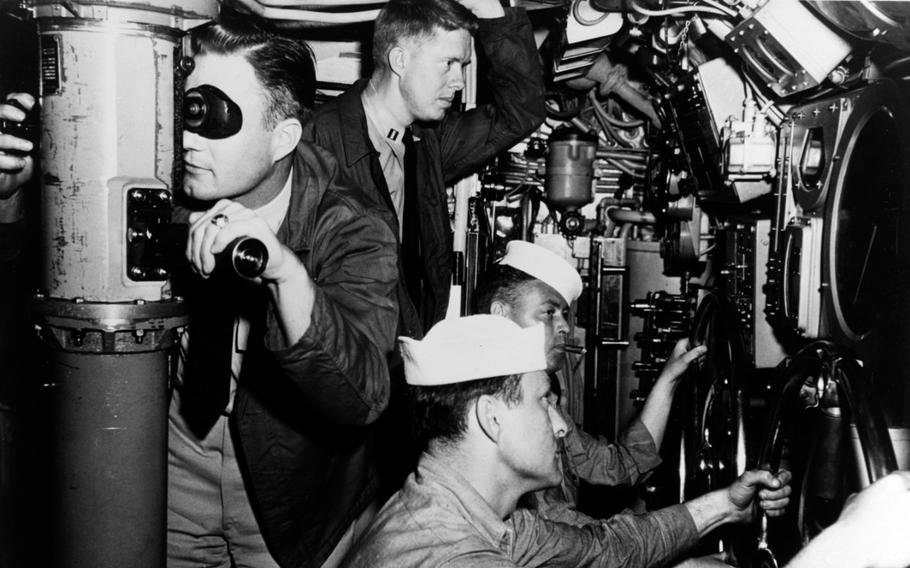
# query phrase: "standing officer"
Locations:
[[395, 135]]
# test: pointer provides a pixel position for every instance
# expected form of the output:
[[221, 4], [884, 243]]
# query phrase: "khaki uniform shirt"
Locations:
[[438, 520]]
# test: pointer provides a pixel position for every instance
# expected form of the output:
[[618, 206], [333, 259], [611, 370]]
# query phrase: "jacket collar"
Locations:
[[354, 119], [314, 171]]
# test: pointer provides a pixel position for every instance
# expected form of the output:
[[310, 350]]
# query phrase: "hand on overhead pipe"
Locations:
[[484, 8]]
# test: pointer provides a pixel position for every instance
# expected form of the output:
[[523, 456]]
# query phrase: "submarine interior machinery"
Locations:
[[734, 172]]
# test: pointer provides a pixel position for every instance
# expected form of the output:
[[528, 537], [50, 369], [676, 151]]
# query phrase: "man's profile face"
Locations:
[[529, 432], [540, 303], [232, 166], [434, 72]]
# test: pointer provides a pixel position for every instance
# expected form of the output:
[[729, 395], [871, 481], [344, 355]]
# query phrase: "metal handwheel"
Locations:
[[712, 449], [713, 442]]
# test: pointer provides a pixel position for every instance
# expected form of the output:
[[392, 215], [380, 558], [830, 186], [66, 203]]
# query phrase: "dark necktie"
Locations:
[[411, 258], [207, 371]]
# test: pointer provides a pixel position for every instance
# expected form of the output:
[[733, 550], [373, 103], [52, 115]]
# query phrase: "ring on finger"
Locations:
[[220, 220]]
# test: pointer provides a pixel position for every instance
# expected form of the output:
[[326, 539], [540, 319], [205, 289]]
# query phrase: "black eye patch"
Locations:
[[210, 113]]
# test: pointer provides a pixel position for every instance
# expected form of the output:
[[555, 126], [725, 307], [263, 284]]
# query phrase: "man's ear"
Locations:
[[398, 58], [488, 409], [285, 138], [500, 308]]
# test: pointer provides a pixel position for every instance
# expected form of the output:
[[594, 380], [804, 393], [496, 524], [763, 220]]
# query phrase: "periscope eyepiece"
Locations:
[[245, 257], [210, 113]]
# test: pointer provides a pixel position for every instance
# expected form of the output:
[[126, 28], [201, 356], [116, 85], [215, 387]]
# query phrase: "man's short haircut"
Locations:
[[284, 66], [500, 283], [416, 19], [439, 414]]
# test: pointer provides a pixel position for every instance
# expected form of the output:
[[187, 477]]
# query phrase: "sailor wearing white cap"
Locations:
[[498, 368], [545, 265], [475, 347], [532, 284], [481, 403]]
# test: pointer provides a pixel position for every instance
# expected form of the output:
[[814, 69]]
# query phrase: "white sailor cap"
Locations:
[[474, 347], [545, 265]]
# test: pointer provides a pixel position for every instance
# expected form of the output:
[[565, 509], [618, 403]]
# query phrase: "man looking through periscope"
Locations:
[[269, 460]]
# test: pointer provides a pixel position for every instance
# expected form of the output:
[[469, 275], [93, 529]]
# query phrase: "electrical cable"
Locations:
[[632, 160], [596, 107], [707, 250], [675, 11], [891, 65], [607, 130], [70, 7], [773, 118], [619, 140], [634, 166], [748, 91], [623, 168], [580, 124], [714, 3], [634, 123], [776, 116], [600, 115]]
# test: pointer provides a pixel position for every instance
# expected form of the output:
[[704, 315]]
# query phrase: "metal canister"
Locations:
[[570, 169]]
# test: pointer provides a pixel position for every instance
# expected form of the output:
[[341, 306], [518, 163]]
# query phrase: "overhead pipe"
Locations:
[[308, 16], [623, 153], [319, 3], [618, 215]]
